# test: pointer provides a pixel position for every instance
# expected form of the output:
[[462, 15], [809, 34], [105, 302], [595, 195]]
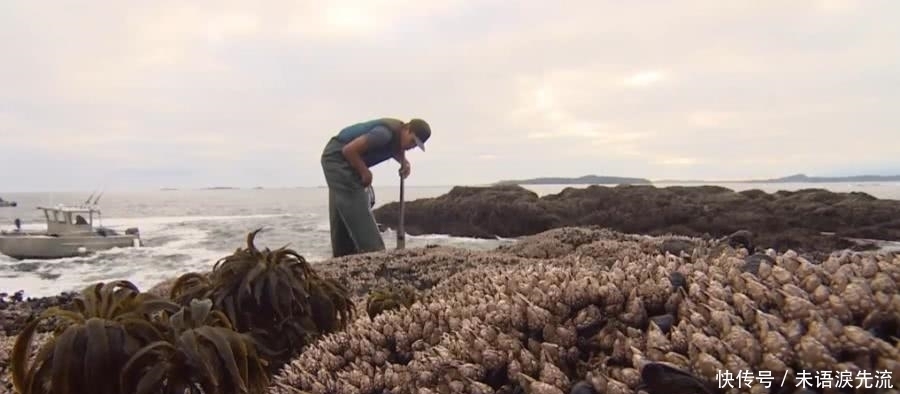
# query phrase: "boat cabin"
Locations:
[[69, 220]]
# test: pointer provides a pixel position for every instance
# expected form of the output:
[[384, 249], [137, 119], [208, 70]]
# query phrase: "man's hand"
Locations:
[[405, 169], [366, 177]]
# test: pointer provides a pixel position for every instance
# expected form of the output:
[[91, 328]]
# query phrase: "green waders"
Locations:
[[353, 228]]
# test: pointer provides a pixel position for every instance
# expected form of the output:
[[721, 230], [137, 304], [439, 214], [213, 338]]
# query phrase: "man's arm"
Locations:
[[400, 157], [353, 151]]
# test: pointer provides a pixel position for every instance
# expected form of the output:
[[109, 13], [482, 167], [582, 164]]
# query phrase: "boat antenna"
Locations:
[[102, 190], [90, 197]]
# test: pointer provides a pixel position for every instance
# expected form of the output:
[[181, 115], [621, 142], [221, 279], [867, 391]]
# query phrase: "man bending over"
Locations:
[[346, 161]]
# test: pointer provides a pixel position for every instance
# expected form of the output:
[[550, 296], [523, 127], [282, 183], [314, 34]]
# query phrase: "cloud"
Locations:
[[711, 119], [838, 5], [249, 93], [677, 161], [645, 78]]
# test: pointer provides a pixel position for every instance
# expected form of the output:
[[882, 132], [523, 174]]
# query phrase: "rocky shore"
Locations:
[[810, 220], [589, 310], [16, 309]]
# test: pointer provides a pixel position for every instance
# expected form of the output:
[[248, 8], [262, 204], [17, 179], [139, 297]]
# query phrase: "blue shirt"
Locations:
[[380, 138]]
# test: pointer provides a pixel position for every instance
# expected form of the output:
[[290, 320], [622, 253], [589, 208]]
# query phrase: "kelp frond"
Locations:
[[203, 355], [111, 321]]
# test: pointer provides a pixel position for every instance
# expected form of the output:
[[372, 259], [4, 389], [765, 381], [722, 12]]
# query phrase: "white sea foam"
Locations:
[[144, 266]]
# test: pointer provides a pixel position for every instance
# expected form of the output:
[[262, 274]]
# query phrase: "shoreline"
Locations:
[[550, 276]]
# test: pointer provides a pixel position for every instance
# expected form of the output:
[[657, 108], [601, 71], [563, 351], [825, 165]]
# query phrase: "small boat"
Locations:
[[4, 203], [70, 233]]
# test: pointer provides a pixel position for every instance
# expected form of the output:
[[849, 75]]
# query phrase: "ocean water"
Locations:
[[189, 230]]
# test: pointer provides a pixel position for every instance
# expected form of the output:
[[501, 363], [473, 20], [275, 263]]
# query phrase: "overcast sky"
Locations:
[[149, 94]]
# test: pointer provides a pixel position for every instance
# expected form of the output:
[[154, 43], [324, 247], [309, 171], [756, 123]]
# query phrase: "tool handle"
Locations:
[[401, 228]]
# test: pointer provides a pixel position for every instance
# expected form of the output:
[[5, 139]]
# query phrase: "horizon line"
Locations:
[[407, 186]]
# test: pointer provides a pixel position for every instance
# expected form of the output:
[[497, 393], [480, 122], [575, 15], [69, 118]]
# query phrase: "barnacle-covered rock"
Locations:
[[513, 324]]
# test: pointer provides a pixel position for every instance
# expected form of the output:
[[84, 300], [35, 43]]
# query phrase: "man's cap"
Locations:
[[421, 132]]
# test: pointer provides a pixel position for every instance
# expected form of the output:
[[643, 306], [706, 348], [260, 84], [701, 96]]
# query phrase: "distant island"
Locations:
[[615, 180], [221, 188], [815, 179], [583, 180], [802, 178]]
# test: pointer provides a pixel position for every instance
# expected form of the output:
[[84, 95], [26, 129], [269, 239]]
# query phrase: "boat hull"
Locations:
[[32, 246]]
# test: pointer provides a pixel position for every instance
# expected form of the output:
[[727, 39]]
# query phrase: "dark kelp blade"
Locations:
[[190, 346], [251, 277], [157, 352], [99, 357], [151, 381], [225, 352], [19, 356], [65, 360]]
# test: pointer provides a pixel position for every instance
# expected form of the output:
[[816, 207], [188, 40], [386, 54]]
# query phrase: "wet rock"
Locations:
[[809, 220], [502, 211], [741, 239], [16, 310]]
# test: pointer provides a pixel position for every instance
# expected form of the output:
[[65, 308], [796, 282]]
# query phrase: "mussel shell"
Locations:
[[678, 280], [582, 387], [665, 322], [659, 378], [752, 262]]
